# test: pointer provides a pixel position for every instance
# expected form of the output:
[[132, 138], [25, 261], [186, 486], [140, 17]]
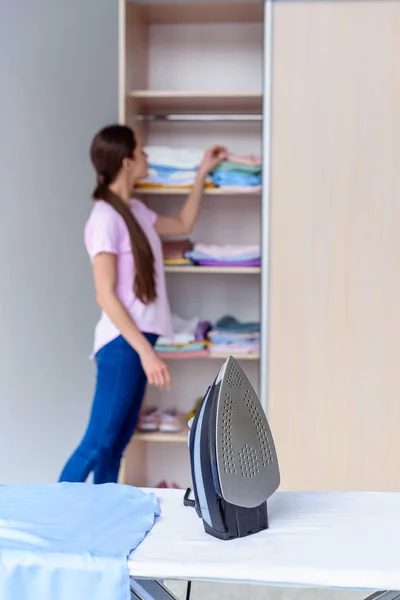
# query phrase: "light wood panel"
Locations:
[[202, 12], [206, 192], [189, 102], [194, 270], [136, 63], [334, 392]]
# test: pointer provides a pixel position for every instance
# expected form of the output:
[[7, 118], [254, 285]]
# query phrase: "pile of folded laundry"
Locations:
[[171, 168], [213, 255], [190, 338], [229, 336], [175, 168], [238, 173]]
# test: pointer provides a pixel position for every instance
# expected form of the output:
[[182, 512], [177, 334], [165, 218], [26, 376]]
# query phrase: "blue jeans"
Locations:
[[120, 388]]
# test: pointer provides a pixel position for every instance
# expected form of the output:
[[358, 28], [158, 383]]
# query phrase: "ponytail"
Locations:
[[108, 150], [144, 284]]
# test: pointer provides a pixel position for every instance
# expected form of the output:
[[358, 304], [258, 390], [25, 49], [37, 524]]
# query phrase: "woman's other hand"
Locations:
[[156, 370], [213, 157]]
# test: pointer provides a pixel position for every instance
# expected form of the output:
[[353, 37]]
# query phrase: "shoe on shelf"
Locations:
[[170, 422], [149, 419]]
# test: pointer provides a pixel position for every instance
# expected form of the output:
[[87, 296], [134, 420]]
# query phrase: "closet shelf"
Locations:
[[207, 192], [158, 436], [214, 270], [186, 102], [204, 12], [177, 357]]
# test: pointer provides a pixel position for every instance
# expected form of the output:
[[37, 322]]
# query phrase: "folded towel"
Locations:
[[226, 252], [229, 165], [220, 178], [177, 158]]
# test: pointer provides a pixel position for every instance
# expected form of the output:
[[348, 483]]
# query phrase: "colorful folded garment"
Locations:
[[228, 263], [220, 178], [192, 347], [143, 185], [227, 349], [176, 158], [169, 176], [177, 262], [229, 324], [217, 337], [245, 160], [230, 165], [225, 252]]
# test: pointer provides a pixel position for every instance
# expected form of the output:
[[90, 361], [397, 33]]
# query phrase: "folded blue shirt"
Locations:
[[69, 540], [236, 178], [229, 324]]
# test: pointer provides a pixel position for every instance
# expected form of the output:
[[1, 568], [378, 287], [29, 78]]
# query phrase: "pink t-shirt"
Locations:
[[106, 231]]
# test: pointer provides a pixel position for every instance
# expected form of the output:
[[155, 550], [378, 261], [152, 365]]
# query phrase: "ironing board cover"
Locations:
[[342, 540]]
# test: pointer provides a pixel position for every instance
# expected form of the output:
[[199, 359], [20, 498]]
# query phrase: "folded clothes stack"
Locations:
[[174, 252], [190, 339], [238, 173], [206, 255], [171, 168], [230, 336]]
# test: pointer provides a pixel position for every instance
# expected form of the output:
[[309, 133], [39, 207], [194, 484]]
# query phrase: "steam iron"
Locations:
[[233, 458]]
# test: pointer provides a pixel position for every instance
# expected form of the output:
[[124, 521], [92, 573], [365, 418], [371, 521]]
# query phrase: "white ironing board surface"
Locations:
[[342, 540]]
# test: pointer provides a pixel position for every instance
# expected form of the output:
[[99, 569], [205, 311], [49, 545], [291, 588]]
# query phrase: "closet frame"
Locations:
[[137, 104]]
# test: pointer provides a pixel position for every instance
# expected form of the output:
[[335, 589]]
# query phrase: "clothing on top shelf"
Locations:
[[189, 336], [168, 177], [238, 171], [177, 168], [172, 168], [176, 158], [230, 336], [228, 255], [251, 159]]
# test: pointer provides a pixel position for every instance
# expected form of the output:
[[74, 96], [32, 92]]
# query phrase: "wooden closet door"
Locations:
[[334, 350]]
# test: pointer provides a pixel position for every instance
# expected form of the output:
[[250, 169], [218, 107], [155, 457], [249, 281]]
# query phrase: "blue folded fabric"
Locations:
[[236, 178], [229, 324], [70, 540], [184, 348], [226, 338]]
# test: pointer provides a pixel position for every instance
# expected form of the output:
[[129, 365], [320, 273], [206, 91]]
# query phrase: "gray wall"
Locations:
[[58, 68]]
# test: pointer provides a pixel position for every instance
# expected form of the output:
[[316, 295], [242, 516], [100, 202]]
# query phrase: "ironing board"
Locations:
[[318, 540]]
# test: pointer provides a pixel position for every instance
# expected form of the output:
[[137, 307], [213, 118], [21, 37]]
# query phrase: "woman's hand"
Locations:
[[156, 370], [213, 157]]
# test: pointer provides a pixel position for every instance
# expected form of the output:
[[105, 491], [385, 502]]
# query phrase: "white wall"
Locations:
[[58, 68]]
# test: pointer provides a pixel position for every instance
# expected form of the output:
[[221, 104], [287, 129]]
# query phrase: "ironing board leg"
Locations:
[[385, 595], [149, 589]]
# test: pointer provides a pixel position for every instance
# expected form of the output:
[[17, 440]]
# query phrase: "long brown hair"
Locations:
[[108, 150]]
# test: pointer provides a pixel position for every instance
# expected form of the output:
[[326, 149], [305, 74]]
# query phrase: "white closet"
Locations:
[[196, 59]]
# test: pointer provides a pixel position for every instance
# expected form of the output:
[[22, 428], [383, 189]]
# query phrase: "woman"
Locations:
[[122, 239]]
